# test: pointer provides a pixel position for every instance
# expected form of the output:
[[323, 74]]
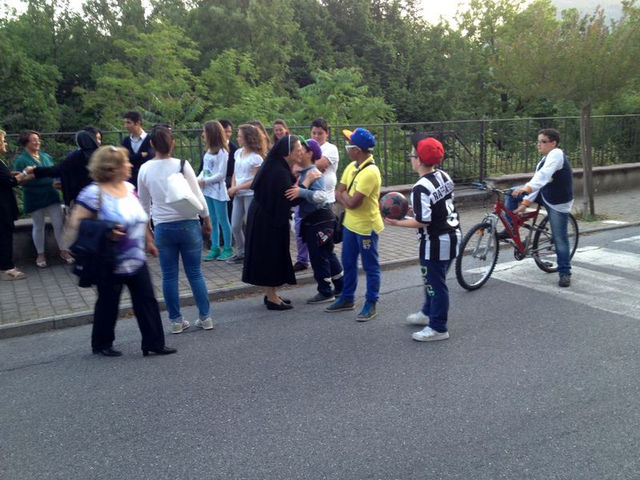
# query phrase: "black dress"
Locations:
[[8, 214], [267, 260]]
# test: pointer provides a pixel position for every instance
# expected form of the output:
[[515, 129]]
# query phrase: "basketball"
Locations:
[[394, 205]]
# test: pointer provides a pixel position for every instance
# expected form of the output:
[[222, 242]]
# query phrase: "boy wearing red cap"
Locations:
[[359, 193], [439, 233]]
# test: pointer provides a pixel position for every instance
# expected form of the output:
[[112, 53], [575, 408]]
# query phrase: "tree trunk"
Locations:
[[588, 208]]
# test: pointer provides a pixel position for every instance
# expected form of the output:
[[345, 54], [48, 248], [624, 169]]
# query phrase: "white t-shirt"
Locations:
[[152, 189], [214, 171], [330, 175], [243, 169]]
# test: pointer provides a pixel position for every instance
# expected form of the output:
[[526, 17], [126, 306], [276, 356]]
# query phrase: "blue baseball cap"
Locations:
[[361, 138]]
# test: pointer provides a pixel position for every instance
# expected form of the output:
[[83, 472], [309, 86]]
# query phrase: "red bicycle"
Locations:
[[480, 246]]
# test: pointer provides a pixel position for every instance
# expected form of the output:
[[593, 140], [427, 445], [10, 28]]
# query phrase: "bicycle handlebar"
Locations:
[[491, 188]]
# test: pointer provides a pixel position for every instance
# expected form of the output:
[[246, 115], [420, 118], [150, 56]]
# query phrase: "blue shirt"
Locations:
[[314, 197]]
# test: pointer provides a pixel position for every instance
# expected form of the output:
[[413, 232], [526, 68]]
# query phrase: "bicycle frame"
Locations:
[[500, 211]]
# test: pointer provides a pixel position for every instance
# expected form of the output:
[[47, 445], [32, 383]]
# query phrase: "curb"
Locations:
[[85, 317]]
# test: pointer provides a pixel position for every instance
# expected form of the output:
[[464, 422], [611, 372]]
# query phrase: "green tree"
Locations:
[[152, 77], [341, 98], [231, 90], [578, 58], [27, 96]]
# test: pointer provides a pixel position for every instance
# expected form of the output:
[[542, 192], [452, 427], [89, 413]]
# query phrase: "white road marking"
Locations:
[[606, 257], [635, 239], [604, 291]]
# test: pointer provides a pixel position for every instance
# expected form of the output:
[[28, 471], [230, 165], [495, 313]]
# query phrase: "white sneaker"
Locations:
[[206, 324], [418, 318], [179, 327], [427, 334]]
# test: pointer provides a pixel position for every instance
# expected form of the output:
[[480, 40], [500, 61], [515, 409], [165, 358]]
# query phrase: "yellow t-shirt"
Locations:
[[366, 217]]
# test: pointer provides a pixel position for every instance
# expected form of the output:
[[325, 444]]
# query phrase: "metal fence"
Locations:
[[475, 149]]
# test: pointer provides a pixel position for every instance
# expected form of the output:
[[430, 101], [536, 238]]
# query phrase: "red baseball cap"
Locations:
[[430, 151]]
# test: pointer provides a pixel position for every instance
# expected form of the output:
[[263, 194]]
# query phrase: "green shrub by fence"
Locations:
[[476, 149]]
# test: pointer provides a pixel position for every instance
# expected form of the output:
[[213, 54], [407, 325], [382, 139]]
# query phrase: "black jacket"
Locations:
[[95, 252], [137, 159], [8, 206]]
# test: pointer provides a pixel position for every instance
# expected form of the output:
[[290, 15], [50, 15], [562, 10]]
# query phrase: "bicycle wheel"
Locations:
[[478, 256], [544, 251]]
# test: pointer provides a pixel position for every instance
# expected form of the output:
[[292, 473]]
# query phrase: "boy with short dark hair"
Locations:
[[138, 143]]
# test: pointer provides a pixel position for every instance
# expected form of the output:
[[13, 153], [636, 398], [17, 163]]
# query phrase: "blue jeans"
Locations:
[[559, 222], [219, 220], [183, 238], [512, 202], [365, 246], [436, 292]]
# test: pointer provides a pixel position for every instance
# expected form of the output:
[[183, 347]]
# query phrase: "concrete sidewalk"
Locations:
[[50, 298]]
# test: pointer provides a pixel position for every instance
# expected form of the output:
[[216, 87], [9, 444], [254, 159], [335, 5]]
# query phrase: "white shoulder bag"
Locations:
[[180, 196]]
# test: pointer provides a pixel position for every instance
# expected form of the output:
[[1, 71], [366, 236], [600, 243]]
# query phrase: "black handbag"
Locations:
[[94, 251]]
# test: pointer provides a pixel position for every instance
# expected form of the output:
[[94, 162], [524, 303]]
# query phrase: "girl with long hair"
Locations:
[[280, 129], [248, 159], [211, 181]]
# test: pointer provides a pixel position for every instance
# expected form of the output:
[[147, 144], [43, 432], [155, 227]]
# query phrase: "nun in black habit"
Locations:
[[267, 261]]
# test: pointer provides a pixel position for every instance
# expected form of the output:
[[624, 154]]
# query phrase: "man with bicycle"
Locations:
[[553, 181]]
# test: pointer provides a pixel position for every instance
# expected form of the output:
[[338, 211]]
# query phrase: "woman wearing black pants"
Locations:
[[112, 198], [8, 214]]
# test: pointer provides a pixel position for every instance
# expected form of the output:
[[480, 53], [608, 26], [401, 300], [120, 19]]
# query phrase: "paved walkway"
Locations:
[[50, 298]]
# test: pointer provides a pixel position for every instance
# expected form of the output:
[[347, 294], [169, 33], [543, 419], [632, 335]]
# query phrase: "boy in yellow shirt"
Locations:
[[359, 192]]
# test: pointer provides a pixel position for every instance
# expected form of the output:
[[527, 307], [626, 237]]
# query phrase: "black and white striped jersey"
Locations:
[[432, 200]]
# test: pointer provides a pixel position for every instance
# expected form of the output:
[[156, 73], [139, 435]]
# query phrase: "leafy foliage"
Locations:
[[351, 61]]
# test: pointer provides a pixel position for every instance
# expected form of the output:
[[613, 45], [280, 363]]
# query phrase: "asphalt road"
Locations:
[[535, 383]]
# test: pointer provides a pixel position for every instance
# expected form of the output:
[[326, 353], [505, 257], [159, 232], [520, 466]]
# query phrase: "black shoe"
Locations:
[[159, 351], [299, 266], [278, 306], [503, 235], [284, 300], [565, 280], [320, 298], [107, 352], [340, 305]]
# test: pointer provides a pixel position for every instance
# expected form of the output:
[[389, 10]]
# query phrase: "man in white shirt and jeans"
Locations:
[[553, 181]]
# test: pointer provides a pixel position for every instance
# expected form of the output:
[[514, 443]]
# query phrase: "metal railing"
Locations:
[[475, 149]]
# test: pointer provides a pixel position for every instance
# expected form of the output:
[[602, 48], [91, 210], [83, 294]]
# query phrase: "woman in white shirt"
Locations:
[[211, 181], [248, 159], [175, 236]]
